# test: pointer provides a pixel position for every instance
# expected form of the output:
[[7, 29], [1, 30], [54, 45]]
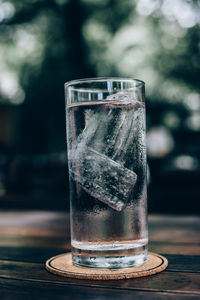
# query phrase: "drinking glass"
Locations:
[[107, 169]]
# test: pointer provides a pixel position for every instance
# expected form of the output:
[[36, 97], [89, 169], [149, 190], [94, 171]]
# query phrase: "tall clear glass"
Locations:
[[107, 169]]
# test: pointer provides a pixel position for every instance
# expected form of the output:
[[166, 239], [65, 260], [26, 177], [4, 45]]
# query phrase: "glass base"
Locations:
[[113, 259], [110, 262]]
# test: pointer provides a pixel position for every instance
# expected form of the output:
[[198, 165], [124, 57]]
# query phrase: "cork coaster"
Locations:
[[62, 265]]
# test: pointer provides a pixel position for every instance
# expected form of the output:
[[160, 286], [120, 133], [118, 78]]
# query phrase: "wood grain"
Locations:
[[165, 281], [185, 263], [27, 239], [18, 290]]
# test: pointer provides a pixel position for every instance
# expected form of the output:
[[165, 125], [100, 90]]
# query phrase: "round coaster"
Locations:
[[62, 265]]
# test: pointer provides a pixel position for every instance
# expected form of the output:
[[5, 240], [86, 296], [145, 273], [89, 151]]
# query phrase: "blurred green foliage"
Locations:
[[47, 42], [44, 43]]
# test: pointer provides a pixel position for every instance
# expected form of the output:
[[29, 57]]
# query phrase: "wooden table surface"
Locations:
[[28, 238]]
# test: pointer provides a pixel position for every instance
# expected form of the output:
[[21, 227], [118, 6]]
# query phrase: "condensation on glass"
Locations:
[[106, 148]]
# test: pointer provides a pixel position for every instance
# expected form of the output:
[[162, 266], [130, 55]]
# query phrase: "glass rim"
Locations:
[[138, 82]]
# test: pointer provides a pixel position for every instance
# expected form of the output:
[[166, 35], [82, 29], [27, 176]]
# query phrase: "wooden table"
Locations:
[[28, 238]]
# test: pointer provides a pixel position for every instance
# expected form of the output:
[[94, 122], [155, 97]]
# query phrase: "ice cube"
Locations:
[[125, 98], [102, 177], [111, 128], [103, 156]]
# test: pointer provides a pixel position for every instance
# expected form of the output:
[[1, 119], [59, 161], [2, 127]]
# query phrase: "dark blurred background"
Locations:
[[44, 43]]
